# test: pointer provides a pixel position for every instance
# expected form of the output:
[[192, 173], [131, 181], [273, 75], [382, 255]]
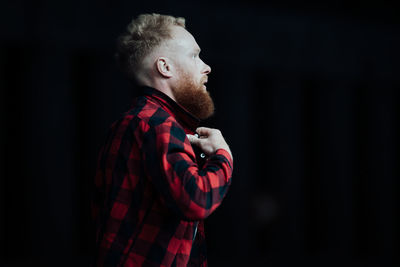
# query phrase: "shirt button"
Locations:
[[202, 155]]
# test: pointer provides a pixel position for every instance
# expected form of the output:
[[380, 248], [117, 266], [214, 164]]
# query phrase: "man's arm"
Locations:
[[191, 192]]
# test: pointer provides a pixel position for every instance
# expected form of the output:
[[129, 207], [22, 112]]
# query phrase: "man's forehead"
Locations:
[[182, 38]]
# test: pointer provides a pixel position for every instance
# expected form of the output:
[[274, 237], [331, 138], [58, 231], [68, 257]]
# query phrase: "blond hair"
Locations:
[[142, 35]]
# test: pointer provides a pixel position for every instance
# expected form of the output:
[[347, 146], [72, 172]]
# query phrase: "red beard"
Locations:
[[193, 97]]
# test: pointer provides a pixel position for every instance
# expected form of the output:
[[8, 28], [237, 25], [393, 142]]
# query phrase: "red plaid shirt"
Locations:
[[153, 190]]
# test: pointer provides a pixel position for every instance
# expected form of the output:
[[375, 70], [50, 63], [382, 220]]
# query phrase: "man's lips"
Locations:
[[204, 81]]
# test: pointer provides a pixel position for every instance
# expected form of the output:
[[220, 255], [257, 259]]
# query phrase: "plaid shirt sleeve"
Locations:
[[191, 191]]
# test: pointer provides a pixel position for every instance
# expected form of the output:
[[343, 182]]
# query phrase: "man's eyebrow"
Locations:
[[197, 50]]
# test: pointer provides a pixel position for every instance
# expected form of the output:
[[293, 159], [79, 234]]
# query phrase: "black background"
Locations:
[[307, 96]]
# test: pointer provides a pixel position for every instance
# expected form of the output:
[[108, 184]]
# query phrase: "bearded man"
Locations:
[[153, 188]]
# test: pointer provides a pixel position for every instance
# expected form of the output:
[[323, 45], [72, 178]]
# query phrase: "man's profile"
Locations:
[[159, 175]]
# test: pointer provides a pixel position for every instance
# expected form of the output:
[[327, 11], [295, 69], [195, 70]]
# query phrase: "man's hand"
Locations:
[[209, 140]]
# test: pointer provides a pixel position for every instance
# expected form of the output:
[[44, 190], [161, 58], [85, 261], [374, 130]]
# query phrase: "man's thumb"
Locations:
[[193, 139]]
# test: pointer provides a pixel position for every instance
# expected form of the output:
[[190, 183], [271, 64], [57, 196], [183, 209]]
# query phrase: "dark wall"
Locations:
[[307, 96]]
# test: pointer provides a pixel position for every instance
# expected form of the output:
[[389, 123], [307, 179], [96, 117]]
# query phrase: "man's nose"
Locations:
[[207, 69]]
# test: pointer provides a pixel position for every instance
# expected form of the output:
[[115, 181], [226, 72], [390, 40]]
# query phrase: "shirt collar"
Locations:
[[186, 119]]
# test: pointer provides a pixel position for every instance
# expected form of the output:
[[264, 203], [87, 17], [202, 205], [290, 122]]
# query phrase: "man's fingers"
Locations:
[[208, 140], [203, 131], [193, 139]]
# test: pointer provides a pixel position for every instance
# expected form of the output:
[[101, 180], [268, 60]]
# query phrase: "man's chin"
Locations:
[[195, 100]]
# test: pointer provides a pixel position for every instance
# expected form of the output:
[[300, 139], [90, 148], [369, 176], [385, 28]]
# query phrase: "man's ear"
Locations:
[[164, 67]]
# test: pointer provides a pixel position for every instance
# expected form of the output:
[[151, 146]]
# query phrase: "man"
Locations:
[[153, 190]]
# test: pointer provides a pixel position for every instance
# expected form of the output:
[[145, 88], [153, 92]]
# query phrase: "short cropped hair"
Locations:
[[142, 35]]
